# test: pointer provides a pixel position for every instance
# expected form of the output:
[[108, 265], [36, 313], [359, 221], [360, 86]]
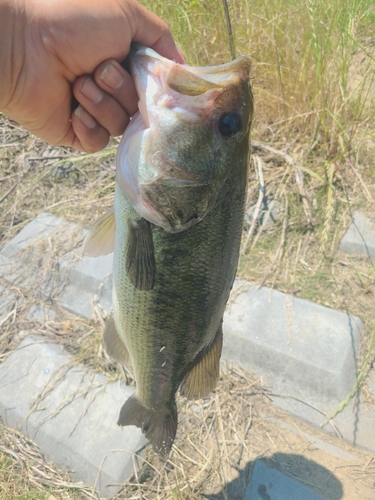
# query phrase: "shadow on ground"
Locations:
[[282, 477]]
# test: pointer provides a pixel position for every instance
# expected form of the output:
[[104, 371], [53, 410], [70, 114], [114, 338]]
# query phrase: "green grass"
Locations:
[[301, 51]]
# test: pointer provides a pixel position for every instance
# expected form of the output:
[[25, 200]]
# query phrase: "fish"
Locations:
[[175, 228]]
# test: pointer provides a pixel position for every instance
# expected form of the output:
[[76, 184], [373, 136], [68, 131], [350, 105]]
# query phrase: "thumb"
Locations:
[[151, 31]]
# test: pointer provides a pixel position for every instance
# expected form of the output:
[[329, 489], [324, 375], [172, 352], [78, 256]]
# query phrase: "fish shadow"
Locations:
[[282, 476]]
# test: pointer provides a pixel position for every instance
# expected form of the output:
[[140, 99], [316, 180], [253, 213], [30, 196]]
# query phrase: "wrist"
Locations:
[[12, 50]]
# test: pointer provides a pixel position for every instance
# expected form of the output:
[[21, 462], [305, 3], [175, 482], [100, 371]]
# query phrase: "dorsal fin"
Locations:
[[100, 240]]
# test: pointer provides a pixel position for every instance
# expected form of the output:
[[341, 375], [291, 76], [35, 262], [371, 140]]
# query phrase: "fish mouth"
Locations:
[[178, 81]]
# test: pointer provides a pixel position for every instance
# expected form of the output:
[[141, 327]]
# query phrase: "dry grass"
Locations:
[[25, 475], [313, 156]]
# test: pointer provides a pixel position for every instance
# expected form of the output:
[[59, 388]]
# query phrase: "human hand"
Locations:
[[49, 52]]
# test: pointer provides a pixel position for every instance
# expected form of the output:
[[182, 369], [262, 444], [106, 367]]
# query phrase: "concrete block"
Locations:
[[88, 285], [329, 448], [355, 423], [268, 213], [70, 412], [269, 483], [44, 226], [360, 237], [292, 341], [7, 299], [79, 282], [41, 313], [23, 260], [305, 353]]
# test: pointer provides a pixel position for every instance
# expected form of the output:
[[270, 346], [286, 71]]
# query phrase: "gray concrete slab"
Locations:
[[41, 313], [305, 354], [70, 412], [326, 446], [292, 341], [44, 226], [88, 284], [360, 237], [7, 300], [355, 423], [268, 213], [80, 283], [268, 483], [23, 260]]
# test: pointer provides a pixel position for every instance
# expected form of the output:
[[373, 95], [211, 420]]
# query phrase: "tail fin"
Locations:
[[158, 427]]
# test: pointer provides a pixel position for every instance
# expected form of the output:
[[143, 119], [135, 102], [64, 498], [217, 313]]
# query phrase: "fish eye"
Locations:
[[229, 124]]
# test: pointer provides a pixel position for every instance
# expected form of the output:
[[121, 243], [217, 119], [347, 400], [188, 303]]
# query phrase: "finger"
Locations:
[[100, 105], [116, 81], [151, 31], [90, 136]]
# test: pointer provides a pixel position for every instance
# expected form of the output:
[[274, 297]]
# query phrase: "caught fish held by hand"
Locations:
[[176, 230]]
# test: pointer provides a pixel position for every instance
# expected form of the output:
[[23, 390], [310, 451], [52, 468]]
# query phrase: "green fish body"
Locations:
[[179, 208]]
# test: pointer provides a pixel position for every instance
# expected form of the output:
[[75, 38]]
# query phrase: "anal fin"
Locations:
[[159, 427], [114, 346], [139, 255], [202, 378], [100, 239]]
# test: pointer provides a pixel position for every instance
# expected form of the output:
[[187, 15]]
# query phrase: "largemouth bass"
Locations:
[[176, 228]]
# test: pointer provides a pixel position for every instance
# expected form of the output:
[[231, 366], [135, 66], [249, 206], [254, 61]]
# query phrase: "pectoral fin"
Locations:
[[100, 240], [114, 346], [202, 378], [139, 254]]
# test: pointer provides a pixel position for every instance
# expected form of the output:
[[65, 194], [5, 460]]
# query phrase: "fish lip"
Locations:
[[241, 64], [220, 76]]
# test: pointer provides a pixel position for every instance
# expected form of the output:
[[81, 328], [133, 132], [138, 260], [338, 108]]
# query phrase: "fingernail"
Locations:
[[90, 90], [87, 120], [111, 76]]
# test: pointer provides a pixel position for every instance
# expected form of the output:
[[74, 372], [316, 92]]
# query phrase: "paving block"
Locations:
[[355, 423], [6, 300], [267, 215], [269, 483], [41, 313], [326, 446], [70, 413], [44, 226], [88, 284], [80, 283], [292, 341], [23, 259], [305, 353], [360, 237]]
